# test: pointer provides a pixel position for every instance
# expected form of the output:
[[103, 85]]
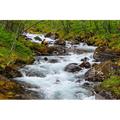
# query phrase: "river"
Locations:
[[53, 82]]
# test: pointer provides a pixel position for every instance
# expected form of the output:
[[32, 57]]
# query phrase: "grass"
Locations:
[[112, 84], [20, 51]]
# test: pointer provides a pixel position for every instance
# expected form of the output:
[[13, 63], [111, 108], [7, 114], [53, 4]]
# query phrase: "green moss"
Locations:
[[8, 88], [112, 85], [8, 55]]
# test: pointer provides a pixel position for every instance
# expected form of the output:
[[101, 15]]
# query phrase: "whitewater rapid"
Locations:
[[53, 82]]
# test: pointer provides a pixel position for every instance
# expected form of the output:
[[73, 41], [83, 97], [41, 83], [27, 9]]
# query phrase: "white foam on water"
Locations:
[[56, 83], [32, 37], [84, 46]]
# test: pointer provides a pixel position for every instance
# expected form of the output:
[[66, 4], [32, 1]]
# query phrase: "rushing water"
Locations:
[[53, 82]]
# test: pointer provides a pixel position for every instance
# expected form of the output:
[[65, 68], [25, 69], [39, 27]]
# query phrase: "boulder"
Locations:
[[48, 34], [57, 50], [45, 58], [37, 38], [10, 89], [57, 81], [104, 53], [94, 75], [56, 36], [86, 84], [72, 67], [106, 94], [78, 39], [94, 64], [103, 93], [99, 72], [52, 35], [85, 64], [60, 42], [78, 51], [11, 72], [53, 60], [35, 73], [85, 59]]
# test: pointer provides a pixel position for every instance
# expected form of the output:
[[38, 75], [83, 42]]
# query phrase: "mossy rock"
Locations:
[[10, 72], [104, 53], [10, 89], [37, 38], [99, 72]]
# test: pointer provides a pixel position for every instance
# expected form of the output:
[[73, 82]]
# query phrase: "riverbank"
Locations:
[[38, 49]]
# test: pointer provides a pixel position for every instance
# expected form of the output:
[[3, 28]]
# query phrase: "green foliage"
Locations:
[[105, 33], [112, 81], [112, 84], [9, 55], [79, 26]]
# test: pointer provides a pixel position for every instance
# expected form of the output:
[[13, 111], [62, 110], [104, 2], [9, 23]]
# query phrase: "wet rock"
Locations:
[[48, 34], [78, 51], [56, 35], [53, 60], [37, 38], [85, 59], [60, 42], [104, 54], [94, 75], [103, 93], [78, 39], [38, 58], [51, 50], [29, 71], [106, 94], [84, 38], [57, 81], [99, 97], [27, 85], [94, 64], [35, 73], [74, 50], [85, 64], [52, 35], [86, 84], [95, 60], [72, 67], [60, 50], [10, 72], [78, 81], [99, 72], [57, 50], [45, 58]]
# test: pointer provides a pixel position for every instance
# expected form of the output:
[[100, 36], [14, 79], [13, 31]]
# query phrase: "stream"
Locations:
[[51, 81]]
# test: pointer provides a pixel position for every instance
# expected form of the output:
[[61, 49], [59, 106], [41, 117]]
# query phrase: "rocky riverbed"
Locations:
[[61, 75], [66, 71]]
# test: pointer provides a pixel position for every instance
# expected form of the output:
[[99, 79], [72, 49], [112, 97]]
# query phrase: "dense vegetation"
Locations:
[[11, 49], [100, 32], [13, 46]]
